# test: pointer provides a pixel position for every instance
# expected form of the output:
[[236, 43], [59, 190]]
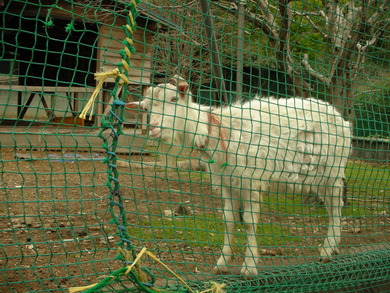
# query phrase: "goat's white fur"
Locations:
[[265, 145]]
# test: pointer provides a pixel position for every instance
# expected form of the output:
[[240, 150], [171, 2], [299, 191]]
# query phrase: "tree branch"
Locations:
[[312, 72], [308, 16]]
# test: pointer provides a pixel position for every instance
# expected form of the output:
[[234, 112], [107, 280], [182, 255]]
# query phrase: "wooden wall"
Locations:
[[111, 42]]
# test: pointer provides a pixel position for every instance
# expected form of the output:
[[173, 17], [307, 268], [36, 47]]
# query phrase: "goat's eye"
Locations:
[[174, 99]]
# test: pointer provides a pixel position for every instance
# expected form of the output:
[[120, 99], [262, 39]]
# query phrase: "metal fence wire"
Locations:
[[194, 146]]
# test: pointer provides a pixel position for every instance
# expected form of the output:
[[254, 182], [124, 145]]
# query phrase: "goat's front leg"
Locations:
[[251, 219], [231, 215]]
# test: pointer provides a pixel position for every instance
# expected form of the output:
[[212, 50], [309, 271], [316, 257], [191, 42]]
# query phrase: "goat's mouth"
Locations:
[[154, 132], [135, 107]]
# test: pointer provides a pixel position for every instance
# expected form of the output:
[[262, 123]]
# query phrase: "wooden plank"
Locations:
[[142, 60], [41, 91], [110, 43], [46, 89], [73, 137], [112, 57], [116, 32], [25, 107]]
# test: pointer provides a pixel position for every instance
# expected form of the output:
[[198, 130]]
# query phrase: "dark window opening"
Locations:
[[50, 55]]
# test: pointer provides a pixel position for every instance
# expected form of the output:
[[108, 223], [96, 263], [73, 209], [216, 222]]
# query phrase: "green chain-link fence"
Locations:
[[89, 203]]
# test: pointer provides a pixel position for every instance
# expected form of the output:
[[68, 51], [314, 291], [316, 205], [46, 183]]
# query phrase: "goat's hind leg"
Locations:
[[334, 203]]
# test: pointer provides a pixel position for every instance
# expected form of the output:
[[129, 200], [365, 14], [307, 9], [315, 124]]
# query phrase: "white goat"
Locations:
[[265, 145]]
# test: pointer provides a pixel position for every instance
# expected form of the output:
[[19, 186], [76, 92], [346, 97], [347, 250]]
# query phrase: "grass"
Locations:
[[367, 186], [368, 189], [204, 231]]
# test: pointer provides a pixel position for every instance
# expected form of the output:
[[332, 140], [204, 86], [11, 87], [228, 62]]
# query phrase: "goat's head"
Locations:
[[166, 104]]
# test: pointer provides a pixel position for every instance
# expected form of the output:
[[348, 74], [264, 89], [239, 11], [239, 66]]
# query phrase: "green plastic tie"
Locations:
[[69, 27], [48, 23]]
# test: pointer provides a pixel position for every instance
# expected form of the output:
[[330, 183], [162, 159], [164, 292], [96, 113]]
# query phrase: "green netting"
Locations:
[[94, 203]]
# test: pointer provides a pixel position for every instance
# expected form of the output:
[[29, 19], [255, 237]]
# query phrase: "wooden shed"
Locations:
[[51, 50]]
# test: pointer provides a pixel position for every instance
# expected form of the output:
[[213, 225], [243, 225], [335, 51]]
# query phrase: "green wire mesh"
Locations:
[[73, 191]]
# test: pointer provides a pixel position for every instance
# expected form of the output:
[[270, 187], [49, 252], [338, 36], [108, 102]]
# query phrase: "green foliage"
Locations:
[[305, 39]]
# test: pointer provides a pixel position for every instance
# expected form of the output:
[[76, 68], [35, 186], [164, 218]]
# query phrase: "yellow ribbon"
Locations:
[[101, 78], [215, 287]]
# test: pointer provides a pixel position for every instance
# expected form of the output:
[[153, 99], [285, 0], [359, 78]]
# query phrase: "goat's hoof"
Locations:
[[222, 270], [249, 272], [327, 257], [326, 254], [324, 259]]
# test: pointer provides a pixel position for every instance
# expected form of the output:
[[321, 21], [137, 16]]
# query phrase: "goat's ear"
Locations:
[[183, 89], [176, 79]]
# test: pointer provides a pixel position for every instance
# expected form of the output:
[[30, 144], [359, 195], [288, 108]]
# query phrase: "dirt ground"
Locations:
[[56, 230]]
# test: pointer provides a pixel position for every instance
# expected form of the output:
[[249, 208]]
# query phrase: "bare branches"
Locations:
[[384, 8], [309, 16], [350, 29], [157, 7], [347, 28], [312, 72], [269, 22]]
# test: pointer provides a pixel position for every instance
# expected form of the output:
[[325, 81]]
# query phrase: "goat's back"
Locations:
[[293, 140]]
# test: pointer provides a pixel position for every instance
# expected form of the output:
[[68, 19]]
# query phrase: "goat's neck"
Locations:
[[214, 122], [196, 129], [207, 131]]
